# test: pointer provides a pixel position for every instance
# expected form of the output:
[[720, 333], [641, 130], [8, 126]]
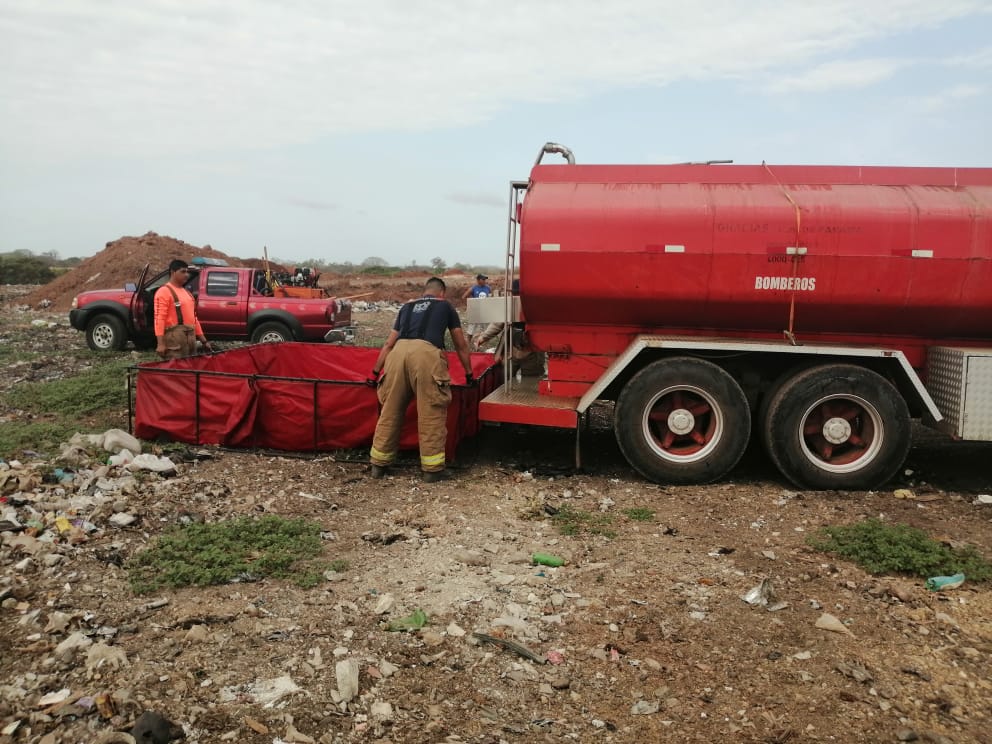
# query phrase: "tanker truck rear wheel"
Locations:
[[837, 426], [682, 420]]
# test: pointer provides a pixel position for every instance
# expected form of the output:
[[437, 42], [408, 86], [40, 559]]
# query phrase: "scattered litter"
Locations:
[[414, 621], [517, 648], [268, 692], [547, 559], [346, 672], [903, 493], [940, 583], [100, 654], [645, 707], [854, 671], [384, 605], [983, 498], [153, 463], [54, 698], [763, 595], [826, 621]]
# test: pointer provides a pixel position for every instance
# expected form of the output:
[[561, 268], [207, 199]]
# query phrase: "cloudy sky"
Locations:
[[391, 128]]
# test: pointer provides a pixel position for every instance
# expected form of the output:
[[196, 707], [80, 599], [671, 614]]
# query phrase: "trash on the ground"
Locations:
[[555, 657], [152, 463], [826, 621], [414, 621], [268, 692], [855, 671], [517, 648], [116, 440], [763, 595], [645, 707], [547, 559], [381, 711], [100, 654], [385, 604], [983, 498], [940, 583], [10, 728], [105, 706], [346, 673], [902, 493], [53, 698], [123, 457]]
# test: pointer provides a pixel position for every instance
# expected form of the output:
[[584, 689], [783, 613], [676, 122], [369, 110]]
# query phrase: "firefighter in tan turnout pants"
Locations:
[[416, 367]]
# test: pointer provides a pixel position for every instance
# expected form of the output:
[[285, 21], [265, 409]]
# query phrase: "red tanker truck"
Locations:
[[818, 308]]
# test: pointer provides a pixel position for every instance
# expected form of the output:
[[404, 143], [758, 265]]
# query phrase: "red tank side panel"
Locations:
[[881, 251]]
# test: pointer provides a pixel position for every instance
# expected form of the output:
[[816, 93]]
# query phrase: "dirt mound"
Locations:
[[121, 262]]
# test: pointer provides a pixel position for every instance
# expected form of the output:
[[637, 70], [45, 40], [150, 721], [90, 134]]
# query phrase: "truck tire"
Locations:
[[106, 333], [270, 333], [837, 426], [682, 420]]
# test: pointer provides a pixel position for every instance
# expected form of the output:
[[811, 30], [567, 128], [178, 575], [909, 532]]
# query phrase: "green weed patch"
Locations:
[[882, 548], [571, 521], [639, 514], [93, 400], [242, 549]]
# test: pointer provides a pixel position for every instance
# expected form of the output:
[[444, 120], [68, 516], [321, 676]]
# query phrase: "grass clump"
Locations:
[[572, 521], [882, 548], [639, 514], [96, 398], [93, 390], [239, 549]]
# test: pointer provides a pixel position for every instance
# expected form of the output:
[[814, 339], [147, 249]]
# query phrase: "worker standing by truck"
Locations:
[[176, 326], [481, 288], [413, 364]]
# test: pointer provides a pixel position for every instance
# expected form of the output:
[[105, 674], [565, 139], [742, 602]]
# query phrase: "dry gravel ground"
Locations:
[[644, 633]]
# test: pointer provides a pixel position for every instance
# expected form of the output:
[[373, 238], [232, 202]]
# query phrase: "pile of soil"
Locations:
[[121, 262]]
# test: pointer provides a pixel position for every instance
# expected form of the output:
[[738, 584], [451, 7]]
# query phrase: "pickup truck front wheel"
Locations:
[[271, 333], [106, 333]]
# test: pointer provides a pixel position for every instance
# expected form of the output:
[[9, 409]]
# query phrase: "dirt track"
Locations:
[[648, 637]]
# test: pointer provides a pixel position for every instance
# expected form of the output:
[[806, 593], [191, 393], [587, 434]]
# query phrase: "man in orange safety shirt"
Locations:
[[176, 326]]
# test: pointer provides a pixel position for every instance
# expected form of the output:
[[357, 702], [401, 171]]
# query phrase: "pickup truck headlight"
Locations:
[[75, 303]]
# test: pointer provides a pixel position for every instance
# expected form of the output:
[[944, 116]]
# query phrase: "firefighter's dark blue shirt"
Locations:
[[427, 318]]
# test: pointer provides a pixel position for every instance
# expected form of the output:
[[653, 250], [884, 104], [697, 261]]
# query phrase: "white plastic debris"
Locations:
[[101, 654], [153, 463], [268, 692], [763, 595], [347, 677], [55, 697], [115, 440]]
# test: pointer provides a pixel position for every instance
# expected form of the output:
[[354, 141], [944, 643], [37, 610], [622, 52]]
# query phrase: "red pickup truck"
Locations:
[[231, 303]]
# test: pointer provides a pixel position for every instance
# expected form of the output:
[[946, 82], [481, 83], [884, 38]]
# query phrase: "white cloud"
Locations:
[[855, 73], [483, 199], [168, 76], [978, 60], [939, 103]]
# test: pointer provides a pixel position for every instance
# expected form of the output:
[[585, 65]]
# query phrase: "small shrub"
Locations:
[[882, 548]]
